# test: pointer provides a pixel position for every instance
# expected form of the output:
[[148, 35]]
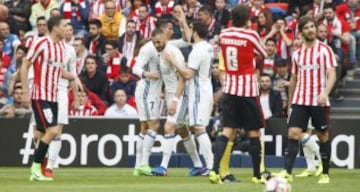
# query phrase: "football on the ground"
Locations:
[[277, 184]]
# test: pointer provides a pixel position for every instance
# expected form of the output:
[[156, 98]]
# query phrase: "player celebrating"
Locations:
[[313, 77], [240, 99], [198, 72], [47, 56]]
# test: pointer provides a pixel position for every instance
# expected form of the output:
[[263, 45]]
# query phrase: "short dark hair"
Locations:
[[144, 5], [80, 39], [23, 48], [240, 15], [305, 20], [95, 22], [156, 31], [329, 6], [162, 23], [207, 9], [40, 18], [265, 75], [130, 21], [200, 29], [93, 57], [125, 69], [271, 39], [113, 43], [54, 21], [281, 62]]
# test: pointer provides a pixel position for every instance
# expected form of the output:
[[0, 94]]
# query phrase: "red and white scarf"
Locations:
[[69, 11], [129, 46], [164, 9], [147, 26], [3, 71], [113, 66]]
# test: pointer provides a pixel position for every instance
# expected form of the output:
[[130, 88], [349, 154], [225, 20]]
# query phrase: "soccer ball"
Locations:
[[277, 184]]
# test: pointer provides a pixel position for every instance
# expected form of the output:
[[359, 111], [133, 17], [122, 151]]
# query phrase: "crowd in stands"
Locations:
[[107, 34]]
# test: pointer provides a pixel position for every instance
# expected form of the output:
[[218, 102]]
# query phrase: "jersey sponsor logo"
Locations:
[[309, 67], [236, 42]]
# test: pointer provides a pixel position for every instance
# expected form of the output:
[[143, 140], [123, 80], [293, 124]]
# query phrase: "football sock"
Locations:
[[139, 148], [309, 157], [220, 148], [149, 140], [167, 149], [292, 151], [255, 152], [53, 152], [225, 160], [325, 151], [205, 147], [309, 147], [314, 147], [190, 147], [40, 152]]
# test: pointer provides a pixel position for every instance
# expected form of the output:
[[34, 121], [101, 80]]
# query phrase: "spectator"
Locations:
[[284, 37], [55, 12], [222, 15], [81, 54], [97, 7], [95, 41], [113, 23], [69, 34], [129, 40], [12, 78], [206, 17], [268, 64], [270, 99], [133, 10], [257, 7], [3, 56], [145, 23], [163, 8], [19, 12], [42, 8], [281, 81], [85, 108], [126, 82], [15, 110], [95, 80], [40, 31], [191, 9], [3, 71], [264, 23], [11, 41], [77, 13], [120, 108], [20, 52], [113, 59]]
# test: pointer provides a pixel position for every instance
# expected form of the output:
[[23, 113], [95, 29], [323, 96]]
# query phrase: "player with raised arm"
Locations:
[[240, 90], [198, 74], [47, 56], [313, 77]]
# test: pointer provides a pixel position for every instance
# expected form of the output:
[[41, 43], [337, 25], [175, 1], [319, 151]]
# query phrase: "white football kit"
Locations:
[[200, 89], [169, 75], [147, 93]]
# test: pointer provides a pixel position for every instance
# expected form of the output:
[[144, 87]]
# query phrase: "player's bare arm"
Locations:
[[24, 82], [330, 81], [185, 72]]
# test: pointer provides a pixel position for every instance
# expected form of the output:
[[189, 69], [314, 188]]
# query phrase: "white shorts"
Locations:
[[200, 111], [148, 105], [179, 118], [63, 107]]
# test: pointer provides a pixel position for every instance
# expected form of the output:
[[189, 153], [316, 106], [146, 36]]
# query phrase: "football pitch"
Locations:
[[121, 179]]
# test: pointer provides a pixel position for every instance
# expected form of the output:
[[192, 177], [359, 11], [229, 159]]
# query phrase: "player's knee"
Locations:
[[154, 125], [323, 136], [294, 133], [183, 132], [229, 133], [254, 133], [143, 127], [199, 130]]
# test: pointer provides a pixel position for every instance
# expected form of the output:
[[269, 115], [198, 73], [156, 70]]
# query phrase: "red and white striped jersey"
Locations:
[[146, 27], [30, 40], [84, 110], [47, 58], [238, 48], [310, 65]]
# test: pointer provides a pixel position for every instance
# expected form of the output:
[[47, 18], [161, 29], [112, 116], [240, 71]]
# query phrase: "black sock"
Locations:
[[220, 146], [290, 155], [325, 151], [40, 152], [255, 152]]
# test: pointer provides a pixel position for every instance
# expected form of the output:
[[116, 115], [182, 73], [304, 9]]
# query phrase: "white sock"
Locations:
[[167, 149], [314, 146], [149, 140], [139, 148], [308, 151], [53, 152], [190, 147], [205, 148]]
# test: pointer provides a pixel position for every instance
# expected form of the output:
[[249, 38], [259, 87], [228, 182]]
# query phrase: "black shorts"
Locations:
[[242, 112], [45, 114], [300, 115]]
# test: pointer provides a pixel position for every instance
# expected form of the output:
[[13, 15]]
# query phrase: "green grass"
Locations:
[[121, 179]]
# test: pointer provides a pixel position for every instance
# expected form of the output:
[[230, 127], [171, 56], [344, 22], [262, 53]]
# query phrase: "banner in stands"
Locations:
[[110, 142]]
